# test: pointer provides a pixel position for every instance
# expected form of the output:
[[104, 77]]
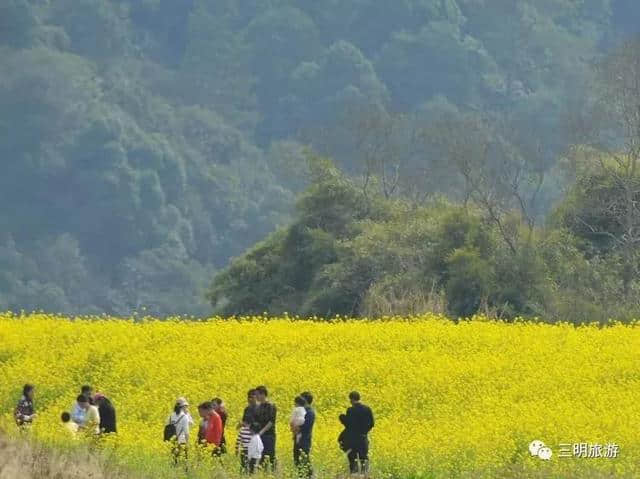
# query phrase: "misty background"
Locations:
[[357, 157]]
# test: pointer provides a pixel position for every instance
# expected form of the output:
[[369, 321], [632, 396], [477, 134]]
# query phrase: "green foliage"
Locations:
[[594, 210], [146, 142], [469, 281], [366, 254]]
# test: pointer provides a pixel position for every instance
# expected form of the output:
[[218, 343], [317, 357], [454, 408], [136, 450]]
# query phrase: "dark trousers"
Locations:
[[302, 460], [253, 463], [269, 452], [359, 456]]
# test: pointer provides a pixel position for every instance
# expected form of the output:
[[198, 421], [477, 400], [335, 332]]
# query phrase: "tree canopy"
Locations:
[[146, 143]]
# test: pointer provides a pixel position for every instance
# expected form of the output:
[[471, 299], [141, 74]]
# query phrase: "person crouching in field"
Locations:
[[90, 417], [177, 427], [255, 449], [78, 411], [24, 413], [210, 432], [69, 426], [107, 413]]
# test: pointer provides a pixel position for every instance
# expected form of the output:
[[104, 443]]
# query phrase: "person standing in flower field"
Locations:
[[24, 413], [358, 422], [202, 427], [302, 448], [211, 427], [265, 416], [242, 446], [297, 418], [219, 407], [177, 429], [248, 415]]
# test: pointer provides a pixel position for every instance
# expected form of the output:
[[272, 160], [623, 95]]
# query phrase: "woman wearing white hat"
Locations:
[[181, 420]]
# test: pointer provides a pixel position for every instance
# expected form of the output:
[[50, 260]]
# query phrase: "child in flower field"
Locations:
[[242, 445], [254, 451], [68, 424], [297, 418]]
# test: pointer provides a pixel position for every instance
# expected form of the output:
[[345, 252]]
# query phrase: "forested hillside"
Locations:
[[144, 143]]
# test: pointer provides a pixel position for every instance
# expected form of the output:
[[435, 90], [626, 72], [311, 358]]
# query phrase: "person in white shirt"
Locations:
[[93, 419], [297, 418], [79, 413], [254, 451], [182, 421]]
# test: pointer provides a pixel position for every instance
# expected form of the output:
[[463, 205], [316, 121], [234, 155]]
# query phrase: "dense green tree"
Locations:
[[145, 143], [350, 255], [293, 35]]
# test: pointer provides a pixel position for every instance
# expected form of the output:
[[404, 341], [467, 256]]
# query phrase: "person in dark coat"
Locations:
[[302, 449], [343, 439], [358, 422], [24, 413], [265, 416], [248, 416], [107, 413]]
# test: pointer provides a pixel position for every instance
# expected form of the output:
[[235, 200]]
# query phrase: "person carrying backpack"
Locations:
[[177, 428]]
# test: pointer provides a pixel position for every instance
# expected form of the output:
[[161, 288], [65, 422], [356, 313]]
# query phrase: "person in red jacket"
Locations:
[[220, 408], [211, 427]]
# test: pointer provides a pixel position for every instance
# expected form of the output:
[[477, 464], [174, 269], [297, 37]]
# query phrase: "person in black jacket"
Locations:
[[265, 416], [248, 416], [302, 449], [25, 412], [107, 413], [358, 422]]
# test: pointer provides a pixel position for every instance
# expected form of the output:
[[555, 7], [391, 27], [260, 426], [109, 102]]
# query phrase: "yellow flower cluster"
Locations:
[[450, 399]]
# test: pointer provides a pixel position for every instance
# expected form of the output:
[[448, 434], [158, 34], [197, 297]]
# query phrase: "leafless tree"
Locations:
[[615, 153], [391, 151], [499, 178]]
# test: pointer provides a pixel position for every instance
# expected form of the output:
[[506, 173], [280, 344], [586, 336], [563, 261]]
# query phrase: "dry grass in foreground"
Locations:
[[29, 460]]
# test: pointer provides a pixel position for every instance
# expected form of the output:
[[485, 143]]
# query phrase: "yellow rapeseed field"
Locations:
[[450, 400]]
